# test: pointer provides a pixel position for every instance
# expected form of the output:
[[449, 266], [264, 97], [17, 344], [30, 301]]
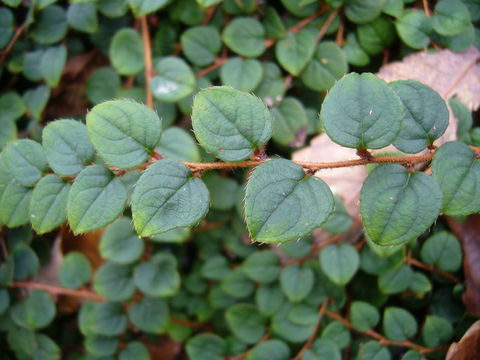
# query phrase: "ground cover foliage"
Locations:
[[150, 208]]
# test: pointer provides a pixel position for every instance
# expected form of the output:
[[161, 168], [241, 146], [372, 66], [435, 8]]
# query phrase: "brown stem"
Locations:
[[218, 62], [312, 336], [339, 39], [326, 25], [148, 60], [242, 355], [426, 8], [18, 32], [420, 265], [380, 338], [84, 294], [300, 25]]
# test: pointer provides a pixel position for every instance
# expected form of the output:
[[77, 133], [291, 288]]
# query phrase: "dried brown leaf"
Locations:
[[468, 348]]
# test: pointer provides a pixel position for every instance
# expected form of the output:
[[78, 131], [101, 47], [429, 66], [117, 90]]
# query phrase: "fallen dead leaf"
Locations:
[[468, 348]]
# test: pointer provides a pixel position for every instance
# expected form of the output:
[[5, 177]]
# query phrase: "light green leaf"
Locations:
[[283, 204], [75, 270], [126, 52], [414, 28], [339, 262], [262, 266], [143, 7], [83, 17], [167, 196], [329, 63], [36, 312], [150, 315], [244, 75], [173, 81], [376, 35], [245, 36], [363, 315], [425, 116], [48, 206], [246, 322], [451, 17], [158, 277], [296, 282], [26, 161], [229, 123], [124, 133], [295, 51], [52, 63], [457, 171], [362, 111], [443, 251], [120, 244], [398, 324], [114, 282], [67, 146], [397, 206], [12, 106], [96, 198], [355, 54], [201, 44]]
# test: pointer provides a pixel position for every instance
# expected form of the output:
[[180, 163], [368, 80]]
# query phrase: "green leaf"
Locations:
[[245, 321], [412, 355], [126, 52], [36, 99], [399, 324], [457, 171], [113, 8], [274, 26], [114, 282], [26, 161], [8, 131], [420, 284], [237, 284], [174, 80], [108, 319], [120, 244], [158, 277], [284, 328], [215, 268], [67, 146], [124, 133], [436, 331], [15, 204], [244, 75], [373, 350], [52, 63], [323, 349], [48, 206], [229, 123], [143, 7], [223, 191], [12, 106], [245, 37], [363, 11], [443, 251], [283, 204], [376, 35], [303, 314], [296, 282], [201, 44], [270, 349], [4, 300], [337, 333], [290, 122], [36, 312], [102, 85], [339, 263], [96, 198], [150, 315], [6, 26], [75, 270], [83, 17], [206, 347], [163, 192], [354, 52], [397, 206], [269, 298], [394, 8], [188, 12], [462, 114], [425, 116], [134, 350], [100, 345], [451, 17], [363, 315], [45, 348], [262, 266], [298, 9], [362, 111], [395, 280], [50, 25], [295, 51], [414, 28], [340, 221], [25, 262], [329, 63]]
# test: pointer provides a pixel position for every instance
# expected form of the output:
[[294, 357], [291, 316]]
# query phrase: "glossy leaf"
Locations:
[[363, 315], [451, 17], [399, 324], [414, 29], [397, 206], [283, 204]]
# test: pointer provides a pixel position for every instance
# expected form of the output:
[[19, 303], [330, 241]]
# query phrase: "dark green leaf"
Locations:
[[126, 52], [451, 17], [376, 35], [134, 350], [339, 262], [206, 347], [174, 80], [143, 7], [100, 345], [362, 11], [150, 315], [245, 36], [289, 122], [414, 29], [296, 282], [223, 191], [83, 17], [102, 85], [436, 331], [50, 25], [25, 262], [75, 270], [270, 349], [52, 63], [443, 251], [244, 75], [363, 315], [395, 280], [269, 298], [298, 9], [295, 51], [158, 277], [36, 100], [120, 244], [237, 284], [201, 44], [246, 322], [12, 106], [108, 319], [262, 266], [36, 312], [399, 324], [372, 350], [337, 333], [114, 282]]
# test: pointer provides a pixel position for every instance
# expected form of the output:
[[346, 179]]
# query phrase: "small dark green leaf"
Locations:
[[123, 132], [120, 244], [36, 312], [36, 99], [108, 319], [340, 221], [283, 204], [457, 171], [50, 25], [114, 282], [244, 75], [337, 333], [399, 324], [436, 331], [45, 348], [83, 17], [414, 28], [12, 106], [102, 85], [166, 197], [158, 277], [283, 327], [420, 284], [451, 17], [237, 284], [75, 270], [295, 51], [298, 9], [52, 63], [143, 7], [269, 298], [262, 266], [229, 123], [4, 300], [270, 349], [395, 280], [215, 268], [223, 191], [354, 52], [201, 44], [290, 122], [443, 251], [339, 262], [376, 35], [100, 345], [296, 282], [206, 347], [25, 262], [362, 11], [362, 111], [363, 315], [150, 315], [174, 80], [6, 26], [134, 350], [26, 161], [126, 52], [246, 322], [425, 116], [397, 206], [96, 198], [15, 204], [373, 350], [245, 36]]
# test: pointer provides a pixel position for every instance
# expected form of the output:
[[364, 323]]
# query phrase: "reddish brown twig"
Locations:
[[147, 48], [244, 354], [420, 265], [18, 32]]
